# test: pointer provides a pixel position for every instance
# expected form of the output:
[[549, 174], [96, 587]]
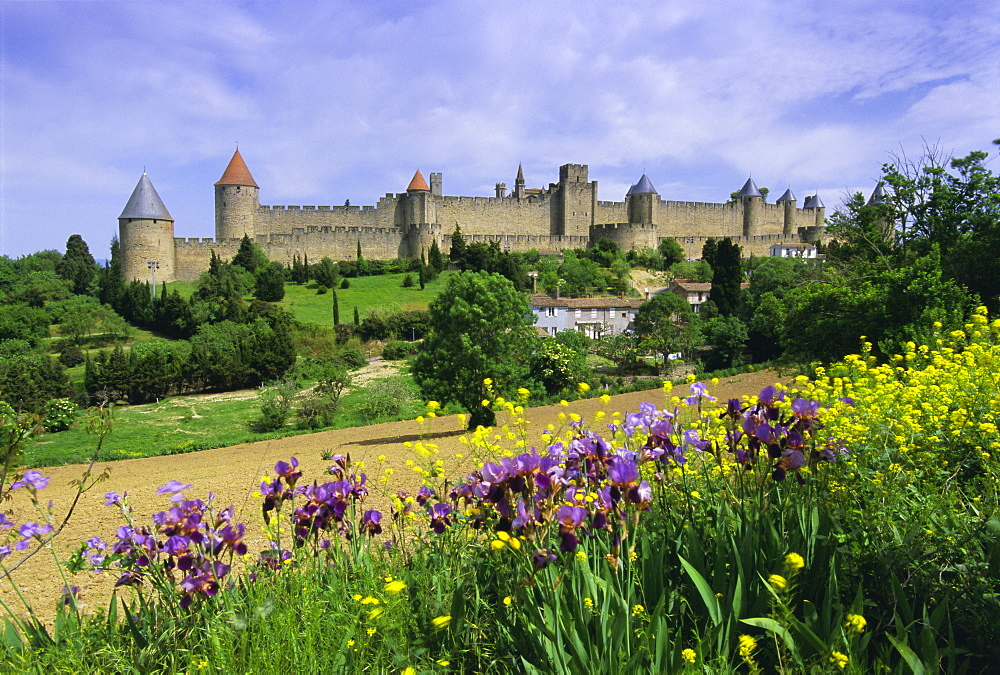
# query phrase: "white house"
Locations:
[[793, 251], [593, 316]]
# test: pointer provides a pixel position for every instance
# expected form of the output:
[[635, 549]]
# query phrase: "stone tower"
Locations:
[[419, 215], [788, 224], [237, 199], [640, 202], [519, 189], [753, 206], [146, 233], [885, 222]]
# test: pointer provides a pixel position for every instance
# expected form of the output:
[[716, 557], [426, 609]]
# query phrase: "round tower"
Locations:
[[788, 200], [146, 234], [640, 202], [420, 212], [753, 206], [237, 198]]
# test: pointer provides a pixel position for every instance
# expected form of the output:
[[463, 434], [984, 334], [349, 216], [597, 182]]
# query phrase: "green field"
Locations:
[[384, 293], [182, 424]]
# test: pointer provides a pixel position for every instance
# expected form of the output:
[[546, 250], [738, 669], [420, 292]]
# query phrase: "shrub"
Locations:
[[323, 290], [408, 281], [398, 349], [275, 406], [345, 283], [71, 356], [59, 414], [385, 398]]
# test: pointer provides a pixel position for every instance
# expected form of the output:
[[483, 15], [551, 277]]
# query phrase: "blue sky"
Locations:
[[332, 101]]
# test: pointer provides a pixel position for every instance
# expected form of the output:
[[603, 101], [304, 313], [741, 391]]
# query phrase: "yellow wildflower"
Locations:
[[794, 561], [689, 655], [582, 387], [440, 622], [856, 622], [778, 582], [839, 660], [395, 586], [748, 646], [507, 600]]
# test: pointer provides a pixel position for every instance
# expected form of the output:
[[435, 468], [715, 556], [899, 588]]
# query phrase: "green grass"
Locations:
[[384, 293], [188, 423]]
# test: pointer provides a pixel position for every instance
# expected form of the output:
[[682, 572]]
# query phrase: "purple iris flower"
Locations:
[[623, 472], [371, 522], [112, 499], [805, 408], [692, 438], [768, 395], [440, 517], [424, 493], [31, 479], [541, 558], [173, 486], [698, 392]]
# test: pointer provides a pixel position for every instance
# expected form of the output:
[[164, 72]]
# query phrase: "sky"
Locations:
[[332, 101]]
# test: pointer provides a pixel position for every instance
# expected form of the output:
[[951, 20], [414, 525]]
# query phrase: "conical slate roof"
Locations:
[[237, 173], [520, 174], [878, 196], [787, 196], [643, 187], [418, 184], [145, 203], [813, 202], [749, 190]]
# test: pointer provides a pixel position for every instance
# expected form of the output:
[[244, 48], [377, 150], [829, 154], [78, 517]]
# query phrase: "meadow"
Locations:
[[845, 523]]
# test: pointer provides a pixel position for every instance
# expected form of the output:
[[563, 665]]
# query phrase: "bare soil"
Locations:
[[233, 474]]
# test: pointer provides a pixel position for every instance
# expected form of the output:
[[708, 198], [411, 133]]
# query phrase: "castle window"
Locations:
[[550, 311], [624, 315], [593, 313], [579, 312]]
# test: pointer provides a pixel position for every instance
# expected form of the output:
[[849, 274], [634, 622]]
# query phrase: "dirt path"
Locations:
[[233, 475]]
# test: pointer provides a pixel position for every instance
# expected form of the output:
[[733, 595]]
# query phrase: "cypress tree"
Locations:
[[357, 317], [336, 308], [422, 279]]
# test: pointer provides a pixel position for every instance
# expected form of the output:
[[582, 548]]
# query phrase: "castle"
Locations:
[[566, 214]]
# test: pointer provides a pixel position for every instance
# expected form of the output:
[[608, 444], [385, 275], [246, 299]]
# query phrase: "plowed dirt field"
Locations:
[[233, 475]]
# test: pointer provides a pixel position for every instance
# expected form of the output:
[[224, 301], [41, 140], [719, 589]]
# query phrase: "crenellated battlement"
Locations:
[[563, 214]]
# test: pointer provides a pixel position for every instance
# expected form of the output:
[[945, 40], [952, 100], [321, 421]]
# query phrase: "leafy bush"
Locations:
[[71, 355], [385, 397], [59, 414], [398, 349], [275, 406]]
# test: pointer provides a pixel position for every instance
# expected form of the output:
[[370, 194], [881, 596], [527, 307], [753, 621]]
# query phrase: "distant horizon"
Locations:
[[335, 101]]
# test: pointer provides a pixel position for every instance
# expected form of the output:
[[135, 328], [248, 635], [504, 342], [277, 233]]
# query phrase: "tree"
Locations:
[[727, 275], [270, 282], [727, 336], [477, 331], [326, 273], [336, 308], [249, 256], [77, 265], [666, 324], [671, 251], [112, 283], [457, 253], [357, 317], [435, 258]]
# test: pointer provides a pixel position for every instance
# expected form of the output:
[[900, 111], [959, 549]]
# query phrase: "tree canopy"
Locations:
[[478, 330]]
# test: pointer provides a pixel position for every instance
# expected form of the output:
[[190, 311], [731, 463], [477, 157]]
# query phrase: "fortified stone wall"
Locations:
[[563, 215], [489, 215]]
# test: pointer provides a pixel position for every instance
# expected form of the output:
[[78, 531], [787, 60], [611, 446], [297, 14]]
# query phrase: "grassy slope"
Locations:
[[185, 424], [385, 293]]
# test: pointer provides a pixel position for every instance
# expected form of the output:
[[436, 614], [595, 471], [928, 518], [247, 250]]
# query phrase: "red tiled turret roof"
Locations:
[[418, 184], [237, 173]]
